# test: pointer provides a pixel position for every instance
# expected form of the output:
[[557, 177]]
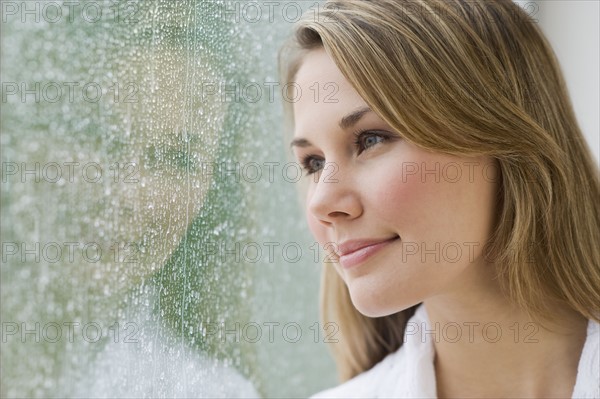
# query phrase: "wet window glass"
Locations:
[[152, 242]]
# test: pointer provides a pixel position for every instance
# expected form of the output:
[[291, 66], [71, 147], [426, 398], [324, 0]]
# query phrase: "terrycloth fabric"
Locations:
[[409, 372], [588, 373]]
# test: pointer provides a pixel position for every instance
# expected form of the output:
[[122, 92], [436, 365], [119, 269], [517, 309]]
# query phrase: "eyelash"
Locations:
[[358, 136]]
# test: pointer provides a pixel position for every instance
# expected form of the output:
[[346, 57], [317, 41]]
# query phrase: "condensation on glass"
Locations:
[[152, 244]]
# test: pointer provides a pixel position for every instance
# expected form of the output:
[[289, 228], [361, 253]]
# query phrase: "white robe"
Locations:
[[409, 372]]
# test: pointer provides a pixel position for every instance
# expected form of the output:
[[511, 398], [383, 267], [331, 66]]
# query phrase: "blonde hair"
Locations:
[[469, 79]]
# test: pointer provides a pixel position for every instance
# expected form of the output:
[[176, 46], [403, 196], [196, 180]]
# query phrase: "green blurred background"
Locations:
[[142, 254]]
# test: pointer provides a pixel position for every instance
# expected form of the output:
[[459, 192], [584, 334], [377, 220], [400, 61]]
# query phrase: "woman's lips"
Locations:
[[352, 253]]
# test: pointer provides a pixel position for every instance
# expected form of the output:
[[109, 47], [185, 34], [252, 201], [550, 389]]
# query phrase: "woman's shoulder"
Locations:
[[367, 383], [406, 372]]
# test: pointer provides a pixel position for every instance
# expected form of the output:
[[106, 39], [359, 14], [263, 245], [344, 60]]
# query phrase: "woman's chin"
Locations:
[[373, 306]]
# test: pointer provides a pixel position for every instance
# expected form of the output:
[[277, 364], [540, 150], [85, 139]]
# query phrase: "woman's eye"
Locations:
[[366, 140], [312, 164], [372, 140]]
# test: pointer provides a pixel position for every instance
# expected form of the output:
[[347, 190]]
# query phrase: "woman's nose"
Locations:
[[335, 198]]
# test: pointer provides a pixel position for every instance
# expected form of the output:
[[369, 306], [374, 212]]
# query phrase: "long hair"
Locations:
[[469, 78]]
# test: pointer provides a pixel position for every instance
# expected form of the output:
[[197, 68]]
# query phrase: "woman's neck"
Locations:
[[487, 347]]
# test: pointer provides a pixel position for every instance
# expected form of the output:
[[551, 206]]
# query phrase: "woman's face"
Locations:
[[402, 224]]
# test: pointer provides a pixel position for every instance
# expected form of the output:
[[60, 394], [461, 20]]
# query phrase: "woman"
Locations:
[[454, 192]]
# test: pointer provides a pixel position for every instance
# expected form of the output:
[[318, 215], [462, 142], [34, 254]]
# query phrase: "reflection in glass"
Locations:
[[119, 252]]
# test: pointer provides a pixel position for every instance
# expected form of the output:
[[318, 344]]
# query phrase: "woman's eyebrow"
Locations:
[[346, 122], [352, 118], [300, 142]]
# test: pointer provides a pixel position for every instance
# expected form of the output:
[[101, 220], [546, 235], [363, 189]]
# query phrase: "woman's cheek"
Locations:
[[399, 197]]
